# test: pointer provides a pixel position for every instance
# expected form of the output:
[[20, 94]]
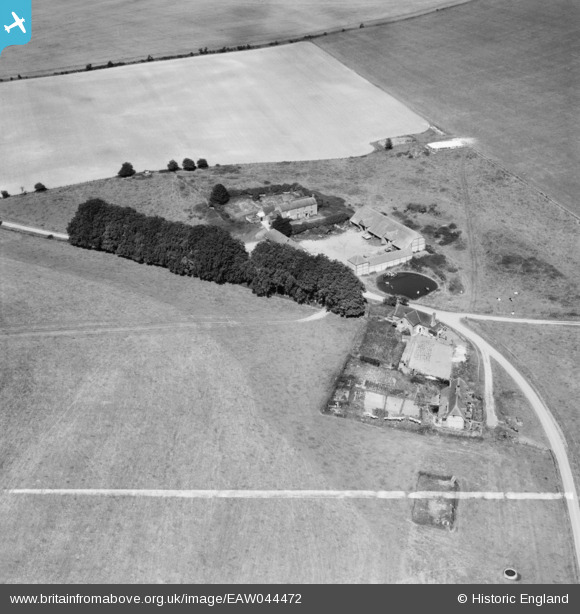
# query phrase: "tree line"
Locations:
[[212, 254]]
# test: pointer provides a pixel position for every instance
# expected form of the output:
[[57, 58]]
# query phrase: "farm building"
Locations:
[[374, 263], [416, 322], [427, 356], [452, 405], [275, 236], [389, 231], [297, 209]]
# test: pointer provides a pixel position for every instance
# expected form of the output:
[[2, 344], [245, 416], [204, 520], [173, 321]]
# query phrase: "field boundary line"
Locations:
[[290, 494]]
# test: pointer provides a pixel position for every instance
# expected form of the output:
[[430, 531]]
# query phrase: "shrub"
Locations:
[[388, 144], [283, 225], [5, 194], [127, 170], [202, 163], [40, 187], [219, 194], [172, 166], [89, 67], [188, 164]]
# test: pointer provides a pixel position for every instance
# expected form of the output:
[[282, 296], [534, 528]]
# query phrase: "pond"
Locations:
[[411, 285]]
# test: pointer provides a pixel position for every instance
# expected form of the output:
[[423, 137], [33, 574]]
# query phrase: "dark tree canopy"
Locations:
[[211, 253], [219, 195], [202, 163], [40, 187], [127, 170], [172, 166], [283, 225], [188, 164], [388, 144], [5, 194]]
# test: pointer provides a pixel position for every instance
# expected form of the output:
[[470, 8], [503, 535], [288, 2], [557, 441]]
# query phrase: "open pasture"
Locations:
[[504, 72], [222, 406], [548, 356], [294, 102], [117, 30]]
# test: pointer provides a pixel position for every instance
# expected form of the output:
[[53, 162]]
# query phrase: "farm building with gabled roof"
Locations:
[[388, 230], [275, 236], [363, 265], [453, 405]]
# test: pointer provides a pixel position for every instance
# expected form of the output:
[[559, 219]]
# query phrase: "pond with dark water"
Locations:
[[411, 285]]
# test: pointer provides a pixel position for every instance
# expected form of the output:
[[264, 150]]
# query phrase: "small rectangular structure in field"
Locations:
[[293, 102]]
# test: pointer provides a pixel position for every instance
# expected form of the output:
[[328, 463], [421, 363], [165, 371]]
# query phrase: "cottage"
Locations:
[[299, 209], [452, 405], [417, 322]]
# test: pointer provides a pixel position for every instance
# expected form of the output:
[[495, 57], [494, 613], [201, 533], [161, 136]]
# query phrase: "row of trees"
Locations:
[[207, 252], [282, 269], [211, 253], [188, 164]]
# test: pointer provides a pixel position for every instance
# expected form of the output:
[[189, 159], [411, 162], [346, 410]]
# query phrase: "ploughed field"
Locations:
[[294, 102], [118, 375], [116, 30], [503, 72]]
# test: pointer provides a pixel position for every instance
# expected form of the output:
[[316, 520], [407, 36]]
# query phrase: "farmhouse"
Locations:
[[452, 412], [416, 322], [297, 209], [389, 231], [427, 356]]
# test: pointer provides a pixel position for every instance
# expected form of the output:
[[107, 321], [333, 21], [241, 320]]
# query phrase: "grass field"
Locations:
[[549, 358], [216, 406], [294, 102], [116, 30], [511, 238], [503, 72]]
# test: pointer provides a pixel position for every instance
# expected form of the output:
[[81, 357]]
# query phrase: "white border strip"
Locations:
[[289, 494]]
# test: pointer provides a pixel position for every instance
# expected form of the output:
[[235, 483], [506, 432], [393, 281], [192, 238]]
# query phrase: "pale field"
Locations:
[[117, 30], [220, 407], [294, 102]]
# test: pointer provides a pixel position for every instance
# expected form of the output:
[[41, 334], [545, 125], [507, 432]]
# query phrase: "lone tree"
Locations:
[[283, 225], [172, 166], [202, 163], [219, 195], [127, 170], [388, 144], [188, 164], [5, 194], [40, 187]]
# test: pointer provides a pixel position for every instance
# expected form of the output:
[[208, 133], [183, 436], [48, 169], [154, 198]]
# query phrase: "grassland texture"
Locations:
[[294, 102], [549, 358], [519, 242], [118, 30], [234, 407], [503, 72]]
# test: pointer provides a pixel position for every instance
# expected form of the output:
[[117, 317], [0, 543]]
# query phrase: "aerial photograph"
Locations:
[[290, 292]]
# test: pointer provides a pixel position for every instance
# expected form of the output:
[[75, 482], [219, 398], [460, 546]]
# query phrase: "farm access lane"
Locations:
[[549, 424]]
